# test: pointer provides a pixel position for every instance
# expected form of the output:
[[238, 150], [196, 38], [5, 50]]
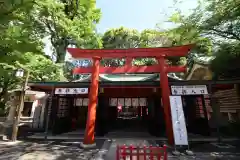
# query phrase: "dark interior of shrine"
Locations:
[[142, 119], [196, 123], [149, 119]]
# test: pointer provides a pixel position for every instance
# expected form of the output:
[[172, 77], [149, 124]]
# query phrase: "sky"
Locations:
[[139, 14], [136, 14]]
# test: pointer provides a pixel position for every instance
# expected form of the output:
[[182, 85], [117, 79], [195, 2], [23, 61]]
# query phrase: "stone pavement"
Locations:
[[51, 150], [106, 149]]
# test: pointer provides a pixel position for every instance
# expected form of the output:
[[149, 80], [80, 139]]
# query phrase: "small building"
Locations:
[[32, 114]]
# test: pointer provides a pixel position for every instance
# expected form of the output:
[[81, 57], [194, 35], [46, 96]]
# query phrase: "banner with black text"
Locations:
[[178, 121]]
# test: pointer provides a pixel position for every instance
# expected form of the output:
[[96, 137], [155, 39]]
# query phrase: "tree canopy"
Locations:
[[214, 26], [222, 24], [24, 24]]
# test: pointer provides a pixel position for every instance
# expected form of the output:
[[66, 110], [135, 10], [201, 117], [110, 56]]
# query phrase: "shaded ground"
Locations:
[[106, 149], [54, 150]]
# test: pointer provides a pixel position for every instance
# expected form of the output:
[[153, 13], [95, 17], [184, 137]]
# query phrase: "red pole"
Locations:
[[165, 156], [90, 127], [165, 98], [117, 154]]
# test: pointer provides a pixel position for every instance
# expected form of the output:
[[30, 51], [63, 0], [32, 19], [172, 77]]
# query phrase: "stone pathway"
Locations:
[[46, 151], [106, 150]]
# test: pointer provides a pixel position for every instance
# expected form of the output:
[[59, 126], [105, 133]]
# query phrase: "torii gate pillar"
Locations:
[[89, 140], [165, 98]]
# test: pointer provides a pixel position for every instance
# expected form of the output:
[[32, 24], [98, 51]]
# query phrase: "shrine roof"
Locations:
[[128, 77], [48, 86], [108, 80]]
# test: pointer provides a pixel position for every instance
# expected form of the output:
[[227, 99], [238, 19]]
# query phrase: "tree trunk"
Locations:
[[61, 53]]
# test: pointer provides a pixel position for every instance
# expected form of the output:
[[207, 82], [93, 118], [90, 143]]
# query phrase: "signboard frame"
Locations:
[[63, 91], [189, 90]]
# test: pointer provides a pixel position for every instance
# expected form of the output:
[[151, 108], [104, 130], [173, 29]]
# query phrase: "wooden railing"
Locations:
[[141, 153]]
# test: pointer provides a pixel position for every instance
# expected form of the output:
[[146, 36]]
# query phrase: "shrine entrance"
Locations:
[[160, 54], [129, 115]]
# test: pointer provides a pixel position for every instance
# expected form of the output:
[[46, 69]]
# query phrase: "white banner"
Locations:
[[85, 101], [142, 102], [135, 102], [189, 90], [113, 102], [78, 101], [120, 102], [178, 121], [128, 102], [71, 91]]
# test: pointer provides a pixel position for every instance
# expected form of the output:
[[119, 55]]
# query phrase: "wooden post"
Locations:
[[216, 110], [93, 97], [205, 111], [49, 110], [19, 109], [165, 99]]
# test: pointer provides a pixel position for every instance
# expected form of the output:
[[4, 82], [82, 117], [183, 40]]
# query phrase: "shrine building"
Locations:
[[128, 98]]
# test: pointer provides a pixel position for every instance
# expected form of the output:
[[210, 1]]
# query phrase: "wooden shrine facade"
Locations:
[[160, 54], [66, 107]]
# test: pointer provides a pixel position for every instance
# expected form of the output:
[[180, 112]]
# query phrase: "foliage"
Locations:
[[67, 22], [13, 10], [25, 23], [123, 38], [16, 38], [68, 67], [187, 32], [213, 23], [42, 68], [119, 38], [21, 47], [154, 38], [223, 19], [222, 24], [226, 64]]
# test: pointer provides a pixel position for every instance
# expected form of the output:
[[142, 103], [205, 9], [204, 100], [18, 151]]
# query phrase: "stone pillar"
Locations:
[[89, 139], [165, 99]]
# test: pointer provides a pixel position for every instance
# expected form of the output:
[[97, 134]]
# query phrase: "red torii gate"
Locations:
[[159, 53]]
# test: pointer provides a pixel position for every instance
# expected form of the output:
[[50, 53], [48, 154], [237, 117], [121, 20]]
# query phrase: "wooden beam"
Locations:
[[128, 69], [177, 51]]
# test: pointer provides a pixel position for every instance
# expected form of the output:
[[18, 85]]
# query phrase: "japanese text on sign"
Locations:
[[71, 91], [189, 90], [178, 121]]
